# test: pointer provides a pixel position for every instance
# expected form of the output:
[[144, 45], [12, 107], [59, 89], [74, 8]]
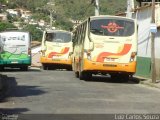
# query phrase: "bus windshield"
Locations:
[[112, 27], [60, 37]]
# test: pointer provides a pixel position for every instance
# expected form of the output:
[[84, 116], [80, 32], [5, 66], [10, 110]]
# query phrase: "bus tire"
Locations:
[[76, 74], [1, 68], [44, 67], [24, 68], [69, 69], [120, 77], [114, 76], [124, 78], [84, 76]]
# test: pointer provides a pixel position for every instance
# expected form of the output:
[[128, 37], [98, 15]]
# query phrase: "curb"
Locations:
[[146, 81], [149, 83], [35, 66]]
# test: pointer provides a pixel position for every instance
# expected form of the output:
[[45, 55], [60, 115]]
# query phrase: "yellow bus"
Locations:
[[56, 50], [105, 45]]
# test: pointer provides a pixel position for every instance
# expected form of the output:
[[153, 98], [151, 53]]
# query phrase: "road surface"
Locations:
[[60, 92]]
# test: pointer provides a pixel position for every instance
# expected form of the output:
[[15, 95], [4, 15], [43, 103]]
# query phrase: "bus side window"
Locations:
[[49, 37]]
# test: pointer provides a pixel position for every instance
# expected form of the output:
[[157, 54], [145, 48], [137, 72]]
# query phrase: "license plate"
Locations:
[[14, 62], [109, 65], [110, 60], [54, 59]]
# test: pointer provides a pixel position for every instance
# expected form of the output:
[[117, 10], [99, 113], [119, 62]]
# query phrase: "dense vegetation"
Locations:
[[73, 9], [63, 11], [36, 33], [6, 25]]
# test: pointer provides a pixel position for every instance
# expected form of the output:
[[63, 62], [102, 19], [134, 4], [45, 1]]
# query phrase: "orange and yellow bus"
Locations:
[[56, 50], [105, 45]]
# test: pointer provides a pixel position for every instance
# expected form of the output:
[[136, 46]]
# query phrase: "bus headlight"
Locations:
[[43, 52], [133, 55], [29, 51], [70, 54], [88, 54]]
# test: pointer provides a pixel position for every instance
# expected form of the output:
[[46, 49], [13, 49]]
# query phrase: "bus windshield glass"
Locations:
[[61, 37], [112, 27]]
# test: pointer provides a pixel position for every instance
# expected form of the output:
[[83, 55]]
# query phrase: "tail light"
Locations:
[[70, 54], [133, 55], [43, 52], [29, 51], [88, 54]]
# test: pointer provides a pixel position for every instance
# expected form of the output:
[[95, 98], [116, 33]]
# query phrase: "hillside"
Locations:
[[63, 11], [74, 9]]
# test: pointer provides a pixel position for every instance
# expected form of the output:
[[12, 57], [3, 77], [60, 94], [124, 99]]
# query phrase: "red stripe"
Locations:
[[64, 51], [125, 50]]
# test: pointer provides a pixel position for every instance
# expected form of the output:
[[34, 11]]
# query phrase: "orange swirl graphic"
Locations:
[[63, 51], [124, 51]]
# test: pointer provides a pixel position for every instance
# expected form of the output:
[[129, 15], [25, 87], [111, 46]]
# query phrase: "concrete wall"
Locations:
[[144, 42], [36, 56]]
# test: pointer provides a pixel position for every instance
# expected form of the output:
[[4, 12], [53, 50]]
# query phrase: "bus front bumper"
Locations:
[[45, 60]]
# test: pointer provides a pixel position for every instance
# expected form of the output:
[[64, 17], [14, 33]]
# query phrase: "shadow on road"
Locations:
[[19, 70], [107, 79], [12, 89], [24, 91], [10, 111]]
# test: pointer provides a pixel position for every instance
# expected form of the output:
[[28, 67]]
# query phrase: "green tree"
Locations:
[[62, 23], [5, 25], [66, 10], [36, 33], [3, 1]]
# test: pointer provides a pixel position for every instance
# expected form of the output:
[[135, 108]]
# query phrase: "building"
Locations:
[[36, 47], [12, 12], [3, 17], [143, 14]]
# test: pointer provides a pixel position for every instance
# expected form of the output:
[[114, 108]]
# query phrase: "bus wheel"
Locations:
[[84, 76], [76, 74], [124, 78], [1, 68], [24, 68], [44, 67], [69, 69], [114, 76], [120, 77]]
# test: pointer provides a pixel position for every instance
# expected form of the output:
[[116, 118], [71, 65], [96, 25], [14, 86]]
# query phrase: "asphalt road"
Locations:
[[59, 92]]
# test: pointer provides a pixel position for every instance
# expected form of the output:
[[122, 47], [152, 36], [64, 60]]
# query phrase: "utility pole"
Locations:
[[97, 8], [130, 8], [51, 19], [153, 69], [96, 5], [50, 6]]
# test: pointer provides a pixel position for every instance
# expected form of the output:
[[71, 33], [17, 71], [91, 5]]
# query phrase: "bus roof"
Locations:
[[51, 31], [15, 31], [113, 16]]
